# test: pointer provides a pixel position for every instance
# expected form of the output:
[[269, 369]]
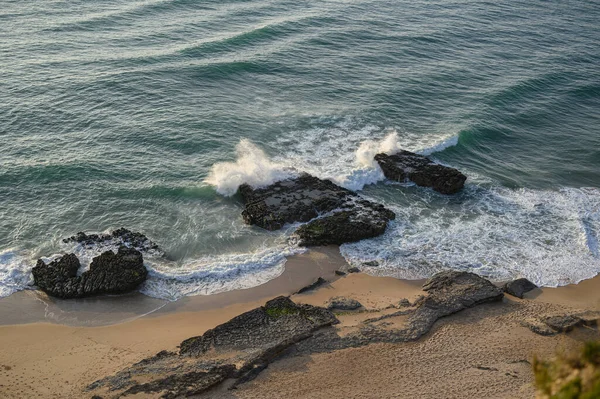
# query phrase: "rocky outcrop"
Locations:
[[238, 349], [117, 237], [109, 273], [279, 320], [421, 170], [344, 215], [343, 303], [314, 285], [346, 226], [519, 287], [548, 325], [449, 292], [241, 348]]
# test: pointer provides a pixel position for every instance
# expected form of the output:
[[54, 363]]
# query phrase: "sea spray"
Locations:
[[252, 167]]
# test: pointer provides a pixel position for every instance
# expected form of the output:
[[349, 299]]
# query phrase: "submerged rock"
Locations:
[[306, 197], [421, 170], [109, 273], [519, 287], [120, 236]]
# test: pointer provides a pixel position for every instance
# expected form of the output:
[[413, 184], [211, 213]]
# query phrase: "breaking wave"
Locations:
[[548, 237], [252, 167]]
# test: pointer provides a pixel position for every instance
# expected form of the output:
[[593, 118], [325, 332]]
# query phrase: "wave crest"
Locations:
[[252, 167]]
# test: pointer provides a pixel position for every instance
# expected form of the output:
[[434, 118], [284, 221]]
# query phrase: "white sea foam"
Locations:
[[549, 237], [342, 153], [214, 274], [15, 272], [252, 166], [345, 154]]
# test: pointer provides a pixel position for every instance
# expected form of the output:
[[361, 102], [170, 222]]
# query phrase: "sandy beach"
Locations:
[[481, 352]]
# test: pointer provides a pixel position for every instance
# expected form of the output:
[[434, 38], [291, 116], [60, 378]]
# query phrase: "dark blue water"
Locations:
[[114, 113]]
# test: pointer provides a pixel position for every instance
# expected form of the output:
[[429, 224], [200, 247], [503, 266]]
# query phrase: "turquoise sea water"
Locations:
[[114, 113]]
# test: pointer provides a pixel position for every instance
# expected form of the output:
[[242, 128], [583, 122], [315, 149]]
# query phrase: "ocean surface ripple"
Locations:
[[149, 114]]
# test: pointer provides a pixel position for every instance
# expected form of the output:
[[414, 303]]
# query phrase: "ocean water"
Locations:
[[149, 114]]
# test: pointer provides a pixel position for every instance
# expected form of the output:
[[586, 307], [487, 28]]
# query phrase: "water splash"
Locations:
[[252, 166]]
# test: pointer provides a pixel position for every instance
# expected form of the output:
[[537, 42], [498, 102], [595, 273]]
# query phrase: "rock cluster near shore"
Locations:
[[109, 273], [333, 214], [344, 215], [238, 350]]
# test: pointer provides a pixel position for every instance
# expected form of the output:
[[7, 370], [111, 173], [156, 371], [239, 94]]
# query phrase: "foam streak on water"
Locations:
[[545, 236]]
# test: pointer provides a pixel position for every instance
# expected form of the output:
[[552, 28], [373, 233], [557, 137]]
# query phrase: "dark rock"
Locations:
[[539, 327], [305, 198], [421, 170], [354, 270], [119, 237], [184, 384], [519, 287], [564, 323], [244, 346], [239, 349], [264, 326], [552, 325], [449, 292], [404, 303], [340, 273], [293, 200], [343, 303], [371, 263], [109, 273], [343, 227], [317, 283]]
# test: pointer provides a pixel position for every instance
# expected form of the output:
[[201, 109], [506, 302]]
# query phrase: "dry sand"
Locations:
[[481, 352]]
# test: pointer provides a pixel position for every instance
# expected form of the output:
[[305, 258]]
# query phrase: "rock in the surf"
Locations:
[[346, 226], [306, 197], [109, 273], [121, 236], [519, 287], [421, 170]]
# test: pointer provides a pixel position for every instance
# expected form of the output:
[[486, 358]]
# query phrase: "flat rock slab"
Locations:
[[405, 165], [109, 273], [335, 215], [244, 346], [519, 287], [343, 303], [449, 292], [239, 349], [562, 323]]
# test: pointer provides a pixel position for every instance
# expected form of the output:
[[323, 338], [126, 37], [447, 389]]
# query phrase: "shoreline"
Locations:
[[49, 359], [32, 306]]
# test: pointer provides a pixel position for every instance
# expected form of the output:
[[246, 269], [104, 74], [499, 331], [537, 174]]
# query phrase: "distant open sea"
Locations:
[[149, 114]]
